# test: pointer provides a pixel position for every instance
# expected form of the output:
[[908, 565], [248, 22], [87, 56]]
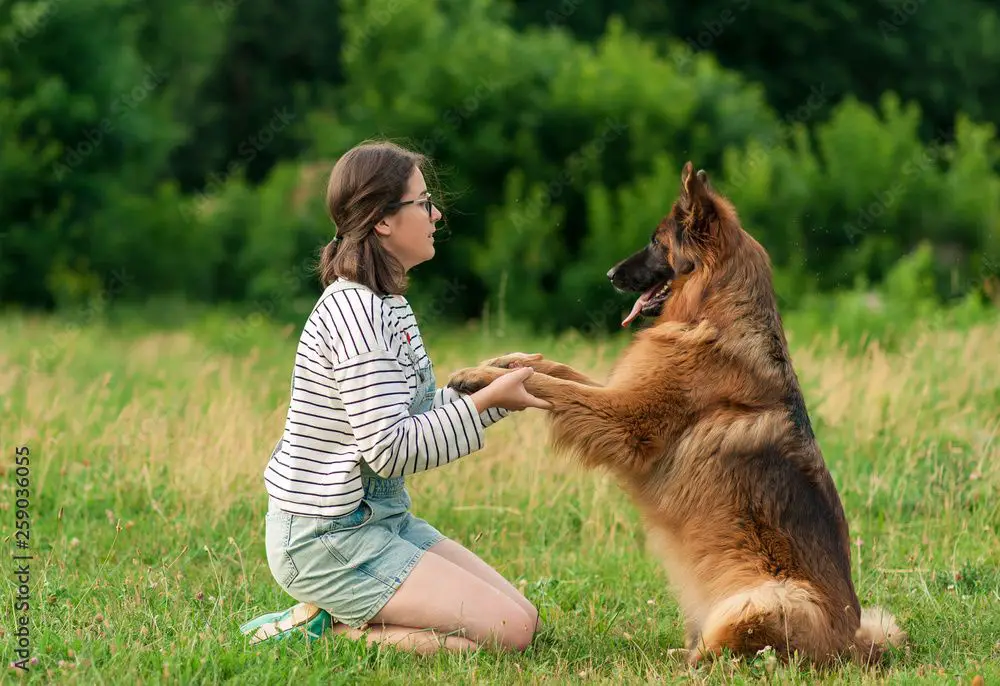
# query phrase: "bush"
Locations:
[[906, 300], [556, 159], [567, 155], [866, 193], [272, 235], [89, 100], [526, 126]]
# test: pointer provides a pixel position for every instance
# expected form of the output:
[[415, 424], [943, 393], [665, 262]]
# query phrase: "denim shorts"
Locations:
[[349, 565]]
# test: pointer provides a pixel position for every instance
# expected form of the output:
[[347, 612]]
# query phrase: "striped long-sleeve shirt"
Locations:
[[354, 378]]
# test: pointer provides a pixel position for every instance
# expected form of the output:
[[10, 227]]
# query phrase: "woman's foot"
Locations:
[[305, 619]]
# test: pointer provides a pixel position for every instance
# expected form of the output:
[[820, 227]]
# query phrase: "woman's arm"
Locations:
[[375, 393], [488, 417], [371, 383]]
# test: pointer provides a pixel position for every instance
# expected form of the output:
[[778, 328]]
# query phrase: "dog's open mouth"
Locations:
[[649, 302]]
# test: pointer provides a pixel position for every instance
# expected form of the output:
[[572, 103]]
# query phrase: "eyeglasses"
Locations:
[[425, 201]]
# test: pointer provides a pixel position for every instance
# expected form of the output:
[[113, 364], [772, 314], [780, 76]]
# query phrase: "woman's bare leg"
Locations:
[[463, 557], [441, 605], [420, 641]]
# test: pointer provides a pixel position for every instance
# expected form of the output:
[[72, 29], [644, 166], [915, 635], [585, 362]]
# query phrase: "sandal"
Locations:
[[304, 618]]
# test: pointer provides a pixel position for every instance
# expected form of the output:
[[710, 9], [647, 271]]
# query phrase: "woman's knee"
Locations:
[[536, 620], [518, 629]]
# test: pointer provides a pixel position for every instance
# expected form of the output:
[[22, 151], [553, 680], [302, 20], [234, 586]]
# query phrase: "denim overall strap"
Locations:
[[374, 485]]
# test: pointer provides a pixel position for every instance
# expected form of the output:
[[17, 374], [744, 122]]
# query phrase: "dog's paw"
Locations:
[[512, 360], [473, 379]]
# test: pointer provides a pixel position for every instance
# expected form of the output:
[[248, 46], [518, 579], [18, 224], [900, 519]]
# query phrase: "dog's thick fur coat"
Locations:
[[704, 424]]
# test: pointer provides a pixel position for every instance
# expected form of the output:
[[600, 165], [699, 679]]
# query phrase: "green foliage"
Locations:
[[88, 98], [942, 54], [589, 165], [531, 124], [904, 301], [275, 59], [867, 192], [557, 142]]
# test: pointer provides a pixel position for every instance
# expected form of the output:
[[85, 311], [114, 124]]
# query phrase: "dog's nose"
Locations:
[[611, 274]]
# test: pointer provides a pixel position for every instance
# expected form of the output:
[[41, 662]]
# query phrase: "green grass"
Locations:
[[147, 506]]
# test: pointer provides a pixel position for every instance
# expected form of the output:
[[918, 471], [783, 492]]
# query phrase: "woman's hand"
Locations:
[[508, 392]]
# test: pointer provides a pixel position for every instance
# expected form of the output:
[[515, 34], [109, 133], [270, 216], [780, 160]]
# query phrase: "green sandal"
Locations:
[[302, 619]]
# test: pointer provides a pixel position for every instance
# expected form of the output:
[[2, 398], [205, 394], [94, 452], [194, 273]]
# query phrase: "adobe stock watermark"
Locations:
[[79, 318], [381, 17], [563, 11], [588, 155], [21, 558], [454, 116], [120, 108], [902, 12], [262, 308], [802, 114], [30, 20], [712, 30], [247, 150], [886, 198]]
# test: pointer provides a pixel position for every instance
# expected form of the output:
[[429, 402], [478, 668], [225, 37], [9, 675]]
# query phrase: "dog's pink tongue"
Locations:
[[639, 302]]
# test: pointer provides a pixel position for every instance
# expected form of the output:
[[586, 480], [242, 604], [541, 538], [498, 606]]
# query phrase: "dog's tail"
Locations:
[[878, 634], [784, 615], [789, 616]]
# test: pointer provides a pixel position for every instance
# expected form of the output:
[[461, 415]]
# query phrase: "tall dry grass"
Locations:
[[168, 404]]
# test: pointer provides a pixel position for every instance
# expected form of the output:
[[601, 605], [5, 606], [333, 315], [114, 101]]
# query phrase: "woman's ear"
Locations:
[[382, 228]]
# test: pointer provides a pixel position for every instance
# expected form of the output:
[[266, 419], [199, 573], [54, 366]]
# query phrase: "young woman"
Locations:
[[364, 413]]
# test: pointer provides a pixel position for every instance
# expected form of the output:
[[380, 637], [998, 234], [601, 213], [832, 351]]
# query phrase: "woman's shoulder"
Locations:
[[391, 303], [348, 306], [345, 291]]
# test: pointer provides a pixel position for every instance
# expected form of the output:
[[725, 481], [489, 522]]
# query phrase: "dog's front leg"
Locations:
[[551, 368], [600, 424]]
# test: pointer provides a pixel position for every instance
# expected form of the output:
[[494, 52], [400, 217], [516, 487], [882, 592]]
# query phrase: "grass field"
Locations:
[[147, 505]]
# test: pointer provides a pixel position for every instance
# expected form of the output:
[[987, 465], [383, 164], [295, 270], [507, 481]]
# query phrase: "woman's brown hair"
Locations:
[[363, 183]]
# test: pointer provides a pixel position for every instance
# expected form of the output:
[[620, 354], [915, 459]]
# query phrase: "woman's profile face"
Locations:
[[408, 233]]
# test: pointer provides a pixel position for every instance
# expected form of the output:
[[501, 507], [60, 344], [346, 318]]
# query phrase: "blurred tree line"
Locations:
[[182, 148]]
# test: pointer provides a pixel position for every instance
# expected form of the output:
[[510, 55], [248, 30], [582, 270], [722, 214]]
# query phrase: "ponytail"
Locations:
[[365, 262], [327, 273]]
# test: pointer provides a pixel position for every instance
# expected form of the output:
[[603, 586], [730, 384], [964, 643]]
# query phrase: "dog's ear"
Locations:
[[695, 188], [696, 197]]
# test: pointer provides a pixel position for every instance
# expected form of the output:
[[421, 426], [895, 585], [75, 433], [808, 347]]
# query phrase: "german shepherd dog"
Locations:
[[703, 423]]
